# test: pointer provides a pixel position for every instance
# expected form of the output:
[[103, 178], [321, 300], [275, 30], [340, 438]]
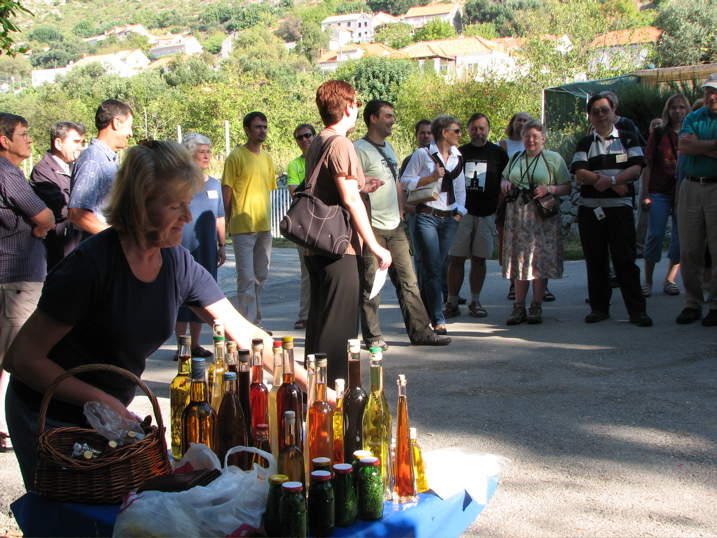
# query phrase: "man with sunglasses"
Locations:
[[24, 221], [606, 163], [296, 172]]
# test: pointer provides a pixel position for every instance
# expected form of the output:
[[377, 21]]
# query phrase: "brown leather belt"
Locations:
[[423, 208], [708, 179]]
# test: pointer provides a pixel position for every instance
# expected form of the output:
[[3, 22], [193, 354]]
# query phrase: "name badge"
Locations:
[[622, 158], [212, 194]]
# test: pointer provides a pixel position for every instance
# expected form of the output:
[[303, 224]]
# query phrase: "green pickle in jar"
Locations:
[[321, 504], [292, 510], [271, 516], [370, 489], [345, 501]]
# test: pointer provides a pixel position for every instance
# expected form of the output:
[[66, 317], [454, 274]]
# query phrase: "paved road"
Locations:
[[610, 428]]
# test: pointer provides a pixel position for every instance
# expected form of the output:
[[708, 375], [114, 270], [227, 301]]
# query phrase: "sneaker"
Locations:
[[596, 315], [451, 310], [710, 320], [201, 353], [432, 340], [476, 310], [535, 314], [517, 316], [688, 315], [377, 343], [641, 319]]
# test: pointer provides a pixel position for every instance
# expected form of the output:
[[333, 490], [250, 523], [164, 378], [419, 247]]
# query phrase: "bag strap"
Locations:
[[392, 165], [311, 183]]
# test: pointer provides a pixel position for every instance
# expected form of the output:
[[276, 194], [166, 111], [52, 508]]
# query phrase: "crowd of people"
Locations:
[[91, 253]]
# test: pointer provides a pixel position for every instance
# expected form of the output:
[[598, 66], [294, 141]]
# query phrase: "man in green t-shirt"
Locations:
[[247, 182], [379, 160], [296, 172]]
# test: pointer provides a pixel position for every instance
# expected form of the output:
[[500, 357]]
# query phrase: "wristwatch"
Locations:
[[613, 181]]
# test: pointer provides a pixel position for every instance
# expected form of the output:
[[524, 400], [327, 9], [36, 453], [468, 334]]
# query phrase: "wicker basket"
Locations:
[[110, 477]]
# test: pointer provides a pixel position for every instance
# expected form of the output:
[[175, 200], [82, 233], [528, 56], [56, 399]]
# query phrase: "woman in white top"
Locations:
[[437, 221], [514, 142]]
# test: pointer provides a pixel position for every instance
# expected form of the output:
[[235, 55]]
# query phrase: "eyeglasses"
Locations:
[[305, 135], [604, 110], [358, 104], [457, 131], [25, 135]]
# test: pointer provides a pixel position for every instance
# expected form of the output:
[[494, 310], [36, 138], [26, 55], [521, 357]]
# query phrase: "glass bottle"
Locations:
[[231, 359], [345, 502], [292, 510], [321, 504], [370, 490], [272, 526], [321, 464], [355, 400], [288, 397], [419, 468], [218, 328], [356, 462], [338, 422], [291, 459], [404, 481], [377, 422], [198, 418], [231, 425], [216, 373], [258, 393], [179, 393], [310, 367], [262, 443], [245, 390], [321, 416], [274, 433]]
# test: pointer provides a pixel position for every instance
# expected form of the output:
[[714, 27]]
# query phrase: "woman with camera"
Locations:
[[533, 246]]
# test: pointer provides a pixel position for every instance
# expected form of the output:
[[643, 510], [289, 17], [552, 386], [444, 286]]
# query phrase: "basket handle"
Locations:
[[93, 368]]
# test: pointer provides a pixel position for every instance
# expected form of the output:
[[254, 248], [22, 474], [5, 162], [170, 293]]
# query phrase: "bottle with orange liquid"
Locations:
[[321, 416], [404, 488]]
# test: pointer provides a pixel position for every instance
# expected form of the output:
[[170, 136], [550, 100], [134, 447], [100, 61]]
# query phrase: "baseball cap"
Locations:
[[711, 81]]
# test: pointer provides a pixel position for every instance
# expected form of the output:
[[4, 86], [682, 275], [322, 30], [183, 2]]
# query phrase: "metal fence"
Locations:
[[280, 202]]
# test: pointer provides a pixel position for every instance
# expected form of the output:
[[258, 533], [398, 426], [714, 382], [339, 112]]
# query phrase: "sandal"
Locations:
[[670, 288], [5, 444], [511, 292], [476, 310], [646, 290], [301, 324], [201, 353], [547, 296]]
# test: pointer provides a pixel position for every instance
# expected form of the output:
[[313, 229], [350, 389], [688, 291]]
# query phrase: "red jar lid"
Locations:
[[370, 461], [343, 468], [321, 476]]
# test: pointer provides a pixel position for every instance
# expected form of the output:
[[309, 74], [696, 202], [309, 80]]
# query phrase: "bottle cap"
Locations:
[[231, 346], [358, 454], [260, 427], [277, 343], [243, 355], [292, 486], [401, 382], [185, 340], [321, 462], [340, 385], [197, 368], [287, 339], [218, 338], [277, 479], [309, 361], [321, 476], [321, 360], [369, 461], [376, 353], [343, 468], [257, 343], [354, 345], [230, 376], [412, 433], [290, 417]]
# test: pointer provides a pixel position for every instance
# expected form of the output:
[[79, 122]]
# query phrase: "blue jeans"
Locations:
[[433, 240], [660, 209]]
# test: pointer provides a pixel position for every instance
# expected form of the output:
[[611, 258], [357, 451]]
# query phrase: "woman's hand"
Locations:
[[439, 172], [540, 191], [505, 186], [382, 255], [372, 183]]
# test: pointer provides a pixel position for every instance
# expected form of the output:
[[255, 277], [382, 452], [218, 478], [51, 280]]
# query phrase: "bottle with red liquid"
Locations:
[[404, 485], [245, 390], [231, 424], [288, 398], [231, 360], [355, 399], [258, 393], [321, 416]]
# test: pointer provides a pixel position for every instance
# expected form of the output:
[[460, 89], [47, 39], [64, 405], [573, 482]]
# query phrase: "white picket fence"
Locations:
[[280, 202]]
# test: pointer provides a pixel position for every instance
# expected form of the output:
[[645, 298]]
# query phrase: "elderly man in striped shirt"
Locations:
[[606, 163]]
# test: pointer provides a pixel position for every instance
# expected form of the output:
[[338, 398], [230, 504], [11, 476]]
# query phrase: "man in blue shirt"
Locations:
[[95, 169], [697, 207]]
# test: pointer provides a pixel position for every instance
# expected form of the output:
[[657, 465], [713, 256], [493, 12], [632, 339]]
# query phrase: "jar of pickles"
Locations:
[[292, 510], [344, 495], [271, 516], [370, 489], [321, 504]]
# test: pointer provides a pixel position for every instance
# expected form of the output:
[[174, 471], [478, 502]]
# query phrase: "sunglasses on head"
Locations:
[[305, 135]]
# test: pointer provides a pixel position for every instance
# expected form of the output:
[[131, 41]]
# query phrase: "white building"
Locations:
[[421, 15], [125, 63], [42, 76], [170, 44], [360, 25], [620, 46], [330, 61]]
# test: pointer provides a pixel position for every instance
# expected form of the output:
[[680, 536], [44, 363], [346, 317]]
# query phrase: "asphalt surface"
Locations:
[[610, 428]]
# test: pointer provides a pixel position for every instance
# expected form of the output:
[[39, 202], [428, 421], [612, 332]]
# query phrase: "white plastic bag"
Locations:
[[231, 505]]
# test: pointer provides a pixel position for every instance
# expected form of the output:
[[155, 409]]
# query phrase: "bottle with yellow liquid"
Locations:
[[418, 465], [179, 393], [216, 373], [377, 423], [338, 421], [274, 430], [291, 459], [404, 489], [199, 418]]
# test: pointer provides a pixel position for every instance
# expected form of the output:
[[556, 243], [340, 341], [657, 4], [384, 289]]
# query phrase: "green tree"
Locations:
[[213, 44], [376, 78], [85, 29], [477, 11], [9, 9], [482, 29], [45, 34], [351, 6], [688, 33], [312, 41], [396, 35], [290, 28], [394, 7], [434, 29], [18, 67]]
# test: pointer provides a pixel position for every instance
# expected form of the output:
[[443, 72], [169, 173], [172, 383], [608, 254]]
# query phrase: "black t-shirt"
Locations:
[[483, 167], [116, 318]]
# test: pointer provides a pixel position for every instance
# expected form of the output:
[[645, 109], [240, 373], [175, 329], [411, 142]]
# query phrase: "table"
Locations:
[[430, 516]]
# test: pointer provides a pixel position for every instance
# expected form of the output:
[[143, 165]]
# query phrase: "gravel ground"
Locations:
[[610, 428]]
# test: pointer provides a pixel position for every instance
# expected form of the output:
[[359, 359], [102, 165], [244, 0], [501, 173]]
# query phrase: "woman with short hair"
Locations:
[[533, 249]]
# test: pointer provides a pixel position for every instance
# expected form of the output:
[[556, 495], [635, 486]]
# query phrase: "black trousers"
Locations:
[[614, 234], [333, 310]]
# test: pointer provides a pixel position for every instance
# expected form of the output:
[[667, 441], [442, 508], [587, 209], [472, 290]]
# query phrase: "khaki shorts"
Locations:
[[475, 237], [17, 301]]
